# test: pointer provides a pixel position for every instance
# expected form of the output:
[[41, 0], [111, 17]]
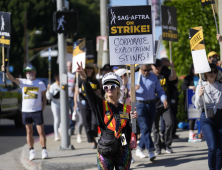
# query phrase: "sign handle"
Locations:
[[133, 95], [49, 70], [3, 62], [170, 46], [215, 20], [77, 84], [205, 109]]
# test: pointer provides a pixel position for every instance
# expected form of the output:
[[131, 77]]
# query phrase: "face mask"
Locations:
[[29, 77], [214, 61]]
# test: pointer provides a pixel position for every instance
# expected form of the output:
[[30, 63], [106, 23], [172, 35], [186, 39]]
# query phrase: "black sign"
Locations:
[[89, 52], [65, 22], [169, 23], [5, 29], [207, 2], [129, 20]]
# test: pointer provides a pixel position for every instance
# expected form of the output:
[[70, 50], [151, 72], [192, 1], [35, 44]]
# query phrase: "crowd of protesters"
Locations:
[[101, 100]]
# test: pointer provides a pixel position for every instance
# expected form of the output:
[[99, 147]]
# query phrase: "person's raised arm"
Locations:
[[9, 76], [90, 94], [173, 76]]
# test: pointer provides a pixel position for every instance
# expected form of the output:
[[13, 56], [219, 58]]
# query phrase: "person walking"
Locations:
[[146, 91], [71, 89], [53, 94], [33, 105], [114, 121], [191, 82], [166, 113], [211, 92], [89, 119]]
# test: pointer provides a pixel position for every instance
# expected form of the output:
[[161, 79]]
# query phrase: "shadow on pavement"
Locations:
[[174, 161], [11, 130]]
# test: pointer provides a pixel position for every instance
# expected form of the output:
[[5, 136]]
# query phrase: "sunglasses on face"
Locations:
[[213, 71], [147, 70], [91, 68], [111, 87]]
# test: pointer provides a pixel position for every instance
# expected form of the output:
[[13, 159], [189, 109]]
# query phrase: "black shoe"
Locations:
[[158, 152], [163, 145], [169, 149], [94, 146], [175, 136]]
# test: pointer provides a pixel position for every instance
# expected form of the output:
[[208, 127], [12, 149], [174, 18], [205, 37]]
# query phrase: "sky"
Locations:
[[128, 2]]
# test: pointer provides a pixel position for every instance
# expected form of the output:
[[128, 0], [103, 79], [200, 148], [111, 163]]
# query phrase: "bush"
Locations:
[[190, 14]]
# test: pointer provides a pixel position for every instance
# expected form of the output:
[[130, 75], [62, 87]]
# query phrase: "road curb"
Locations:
[[39, 164]]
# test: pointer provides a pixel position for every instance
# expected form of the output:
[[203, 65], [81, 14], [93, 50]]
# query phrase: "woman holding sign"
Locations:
[[211, 121], [114, 121]]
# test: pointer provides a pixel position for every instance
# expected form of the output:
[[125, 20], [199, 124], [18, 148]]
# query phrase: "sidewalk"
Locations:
[[192, 156]]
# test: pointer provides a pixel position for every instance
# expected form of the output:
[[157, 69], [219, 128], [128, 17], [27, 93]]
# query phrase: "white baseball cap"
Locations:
[[121, 71], [112, 77]]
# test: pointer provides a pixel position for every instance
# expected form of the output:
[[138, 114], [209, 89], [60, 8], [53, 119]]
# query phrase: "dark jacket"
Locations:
[[96, 104], [188, 81]]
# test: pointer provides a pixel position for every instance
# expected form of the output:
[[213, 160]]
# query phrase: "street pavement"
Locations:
[[192, 156]]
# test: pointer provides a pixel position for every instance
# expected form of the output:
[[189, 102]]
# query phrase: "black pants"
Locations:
[[168, 119], [89, 122]]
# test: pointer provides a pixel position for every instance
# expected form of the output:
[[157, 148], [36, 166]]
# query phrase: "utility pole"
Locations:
[[149, 2], [65, 139], [103, 28], [219, 6]]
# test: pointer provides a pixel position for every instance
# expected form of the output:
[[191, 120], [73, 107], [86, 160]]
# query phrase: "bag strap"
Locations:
[[109, 121]]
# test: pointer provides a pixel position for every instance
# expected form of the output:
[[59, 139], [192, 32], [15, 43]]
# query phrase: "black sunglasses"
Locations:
[[157, 65], [90, 68], [147, 70], [213, 71]]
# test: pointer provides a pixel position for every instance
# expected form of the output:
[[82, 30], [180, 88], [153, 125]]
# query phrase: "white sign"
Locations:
[[131, 49], [104, 38], [200, 62], [78, 58], [53, 53]]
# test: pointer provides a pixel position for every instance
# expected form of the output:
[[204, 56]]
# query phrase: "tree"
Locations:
[[190, 14], [40, 17]]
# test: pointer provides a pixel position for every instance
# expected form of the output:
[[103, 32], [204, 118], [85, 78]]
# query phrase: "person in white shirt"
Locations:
[[71, 89], [33, 105], [211, 91], [53, 94]]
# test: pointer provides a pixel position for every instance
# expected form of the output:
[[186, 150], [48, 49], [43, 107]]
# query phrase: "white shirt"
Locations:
[[31, 95], [213, 90], [71, 84], [53, 90]]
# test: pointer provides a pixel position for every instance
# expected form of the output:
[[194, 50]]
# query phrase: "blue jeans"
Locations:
[[71, 105], [212, 131], [146, 116]]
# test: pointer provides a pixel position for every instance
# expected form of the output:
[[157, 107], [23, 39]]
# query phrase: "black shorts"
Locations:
[[30, 117]]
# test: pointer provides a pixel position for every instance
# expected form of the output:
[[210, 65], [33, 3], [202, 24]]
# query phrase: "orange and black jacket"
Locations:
[[97, 105]]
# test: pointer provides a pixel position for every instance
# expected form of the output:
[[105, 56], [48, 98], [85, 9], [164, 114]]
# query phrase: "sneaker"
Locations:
[[45, 154], [32, 154], [140, 154], [132, 160], [169, 149], [79, 139], [194, 138], [57, 138], [151, 156]]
